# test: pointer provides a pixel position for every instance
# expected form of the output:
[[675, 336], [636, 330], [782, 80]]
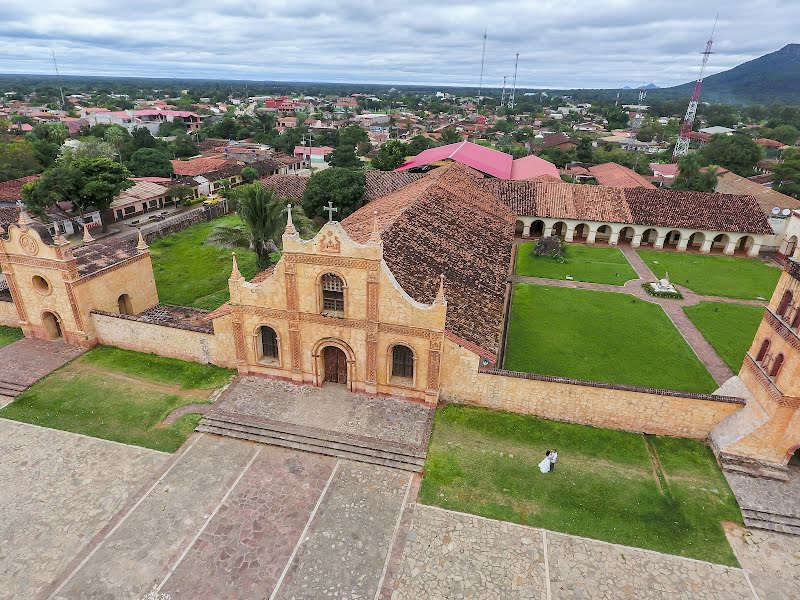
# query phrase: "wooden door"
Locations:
[[335, 363]]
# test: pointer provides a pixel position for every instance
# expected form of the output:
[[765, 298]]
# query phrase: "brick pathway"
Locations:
[[672, 307], [27, 360], [185, 410]]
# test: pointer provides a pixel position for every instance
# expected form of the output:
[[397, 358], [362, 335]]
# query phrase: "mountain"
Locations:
[[771, 78], [649, 86]]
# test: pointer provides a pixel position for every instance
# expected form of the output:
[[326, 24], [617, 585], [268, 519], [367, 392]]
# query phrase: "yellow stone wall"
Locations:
[[674, 415], [378, 315], [8, 315]]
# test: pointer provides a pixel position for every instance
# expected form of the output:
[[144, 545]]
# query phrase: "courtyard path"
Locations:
[[672, 307], [27, 360]]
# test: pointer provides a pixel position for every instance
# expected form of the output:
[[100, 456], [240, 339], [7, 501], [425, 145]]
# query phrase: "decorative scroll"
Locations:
[[28, 244], [291, 291], [331, 261], [238, 336], [12, 287], [76, 313], [294, 345], [330, 243], [372, 301], [372, 355], [332, 321], [410, 331], [269, 313], [434, 361]]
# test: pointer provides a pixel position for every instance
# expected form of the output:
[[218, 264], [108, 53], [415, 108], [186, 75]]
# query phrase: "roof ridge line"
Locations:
[[461, 145]]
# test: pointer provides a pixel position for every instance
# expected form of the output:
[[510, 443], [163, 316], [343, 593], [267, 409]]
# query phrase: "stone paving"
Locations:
[[27, 360], [58, 490], [330, 408], [767, 495], [771, 559]]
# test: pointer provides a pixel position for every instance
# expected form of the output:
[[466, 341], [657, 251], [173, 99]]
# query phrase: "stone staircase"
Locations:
[[771, 521], [752, 467], [329, 443], [11, 389]]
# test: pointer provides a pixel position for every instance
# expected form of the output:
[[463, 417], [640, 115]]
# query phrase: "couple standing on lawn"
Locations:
[[549, 462]]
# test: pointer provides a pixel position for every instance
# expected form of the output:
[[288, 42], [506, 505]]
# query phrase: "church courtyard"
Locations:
[[728, 327], [599, 336], [593, 264]]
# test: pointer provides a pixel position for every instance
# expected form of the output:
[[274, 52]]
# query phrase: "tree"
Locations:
[[184, 147], [450, 136], [692, 178], [364, 148], [90, 147], [584, 151], [249, 174], [180, 193], [419, 143], [390, 156], [17, 159], [352, 135], [786, 178], [736, 153], [149, 162], [264, 220], [343, 187], [47, 139], [786, 134], [344, 156], [86, 182], [116, 136], [557, 156]]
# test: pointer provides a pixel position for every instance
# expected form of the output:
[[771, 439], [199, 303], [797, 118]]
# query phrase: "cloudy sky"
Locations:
[[562, 43]]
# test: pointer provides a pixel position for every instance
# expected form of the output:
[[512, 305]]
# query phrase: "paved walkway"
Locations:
[[27, 360], [672, 307]]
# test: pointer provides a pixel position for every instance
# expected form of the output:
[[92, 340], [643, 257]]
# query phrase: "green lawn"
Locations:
[[119, 395], [604, 486], [599, 336], [715, 275], [9, 335], [190, 272], [595, 264], [729, 328]]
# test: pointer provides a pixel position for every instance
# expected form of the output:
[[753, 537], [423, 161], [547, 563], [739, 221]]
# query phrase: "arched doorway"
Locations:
[[52, 326], [672, 239], [519, 226], [537, 228], [794, 460], [649, 237], [791, 246], [719, 243], [744, 244], [560, 229], [603, 234], [334, 365], [124, 306], [581, 233], [625, 235], [696, 241]]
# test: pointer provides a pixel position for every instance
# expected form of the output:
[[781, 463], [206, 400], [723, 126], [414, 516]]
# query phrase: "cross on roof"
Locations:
[[330, 210]]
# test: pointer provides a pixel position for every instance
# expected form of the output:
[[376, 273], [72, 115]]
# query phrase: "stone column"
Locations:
[[614, 239], [730, 247], [569, 234], [636, 240], [526, 230], [706, 247], [756, 248], [683, 243], [590, 239], [659, 243]]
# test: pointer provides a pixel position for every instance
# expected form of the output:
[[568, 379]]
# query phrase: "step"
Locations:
[[308, 440], [779, 519], [753, 468], [8, 388], [314, 449], [770, 526], [313, 434]]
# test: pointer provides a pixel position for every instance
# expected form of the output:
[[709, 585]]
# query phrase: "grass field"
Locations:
[[715, 275], [594, 264], [9, 335], [190, 272], [599, 336], [607, 484], [120, 395], [729, 328]]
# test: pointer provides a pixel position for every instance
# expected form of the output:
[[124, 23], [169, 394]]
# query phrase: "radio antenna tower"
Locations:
[[682, 145], [636, 124], [503, 95], [514, 85], [483, 58], [58, 76]]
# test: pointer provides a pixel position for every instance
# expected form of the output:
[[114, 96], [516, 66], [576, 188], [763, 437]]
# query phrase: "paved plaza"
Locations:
[[27, 360], [226, 518]]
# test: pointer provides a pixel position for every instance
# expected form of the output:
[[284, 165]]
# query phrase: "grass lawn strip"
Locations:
[[729, 328], [9, 335], [119, 395], [189, 272], [715, 275], [485, 463], [593, 264], [600, 336]]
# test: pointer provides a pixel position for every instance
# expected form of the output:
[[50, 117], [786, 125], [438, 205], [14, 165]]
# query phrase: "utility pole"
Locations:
[[58, 76], [503, 95], [511, 102], [483, 58]]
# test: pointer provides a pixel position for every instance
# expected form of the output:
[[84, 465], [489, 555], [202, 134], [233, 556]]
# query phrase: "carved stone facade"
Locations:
[[377, 316]]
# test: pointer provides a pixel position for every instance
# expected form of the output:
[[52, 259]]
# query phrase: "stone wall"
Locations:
[[589, 403], [8, 314], [165, 341]]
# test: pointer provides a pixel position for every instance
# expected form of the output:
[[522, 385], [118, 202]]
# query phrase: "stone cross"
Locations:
[[330, 210]]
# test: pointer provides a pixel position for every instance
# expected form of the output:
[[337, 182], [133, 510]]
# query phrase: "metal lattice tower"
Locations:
[[58, 76], [682, 145], [503, 95], [636, 124], [511, 102], [483, 58]]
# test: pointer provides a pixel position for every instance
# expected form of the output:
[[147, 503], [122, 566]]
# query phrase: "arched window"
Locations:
[[269, 343], [402, 362], [762, 352], [776, 366], [332, 294], [124, 306], [785, 301], [796, 320]]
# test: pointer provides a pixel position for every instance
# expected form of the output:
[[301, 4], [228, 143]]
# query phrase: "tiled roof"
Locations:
[[557, 139], [447, 223], [141, 191], [8, 215], [197, 166], [376, 185], [289, 187], [614, 175], [10, 190], [731, 183], [102, 254]]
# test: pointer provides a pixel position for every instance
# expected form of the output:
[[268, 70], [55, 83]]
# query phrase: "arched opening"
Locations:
[[402, 364], [581, 233], [743, 245], [124, 306], [794, 460], [796, 320], [762, 351], [776, 366], [268, 344], [537, 228], [626, 235], [649, 237], [791, 246], [786, 300], [672, 239], [519, 227], [560, 229], [603, 234], [332, 295], [52, 326], [334, 365], [719, 243], [696, 241]]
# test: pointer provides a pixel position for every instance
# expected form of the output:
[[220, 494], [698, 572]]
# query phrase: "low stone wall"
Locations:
[[153, 231], [590, 403], [8, 314], [185, 344]]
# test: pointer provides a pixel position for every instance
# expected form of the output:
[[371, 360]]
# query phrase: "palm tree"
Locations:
[[266, 120], [264, 218]]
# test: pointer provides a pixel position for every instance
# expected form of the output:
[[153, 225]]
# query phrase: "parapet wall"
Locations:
[[627, 408]]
